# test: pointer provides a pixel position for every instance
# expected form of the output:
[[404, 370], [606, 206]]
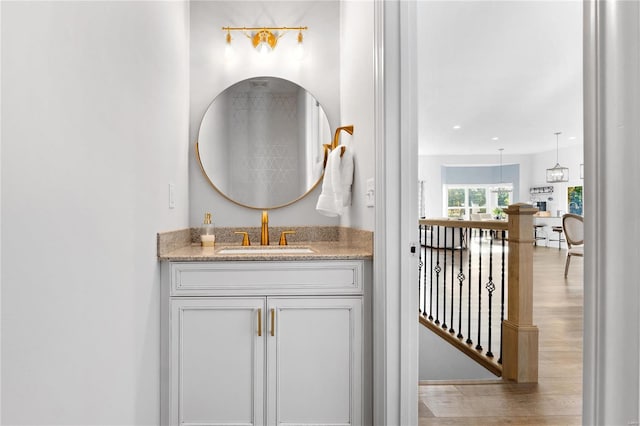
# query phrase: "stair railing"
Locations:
[[470, 273]]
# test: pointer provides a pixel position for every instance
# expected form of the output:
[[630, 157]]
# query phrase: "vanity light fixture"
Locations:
[[557, 173], [265, 39]]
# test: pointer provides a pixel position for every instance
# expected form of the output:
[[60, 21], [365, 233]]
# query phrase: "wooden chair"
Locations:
[[573, 227]]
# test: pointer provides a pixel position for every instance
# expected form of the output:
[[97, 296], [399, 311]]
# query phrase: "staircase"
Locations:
[[475, 290]]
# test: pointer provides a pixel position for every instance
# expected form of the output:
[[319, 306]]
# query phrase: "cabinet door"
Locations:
[[314, 355], [218, 358]]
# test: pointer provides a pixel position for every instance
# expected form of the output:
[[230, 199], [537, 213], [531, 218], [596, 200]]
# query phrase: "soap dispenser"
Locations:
[[207, 237]]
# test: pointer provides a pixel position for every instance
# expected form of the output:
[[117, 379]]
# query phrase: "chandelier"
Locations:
[[557, 173]]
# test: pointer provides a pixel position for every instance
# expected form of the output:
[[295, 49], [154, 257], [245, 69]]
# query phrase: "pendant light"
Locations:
[[557, 173], [502, 187]]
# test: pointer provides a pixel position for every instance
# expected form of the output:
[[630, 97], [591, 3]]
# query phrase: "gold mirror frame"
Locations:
[[315, 146]]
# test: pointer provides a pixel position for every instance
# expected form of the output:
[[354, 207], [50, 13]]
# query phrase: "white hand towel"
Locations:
[[342, 177], [327, 200]]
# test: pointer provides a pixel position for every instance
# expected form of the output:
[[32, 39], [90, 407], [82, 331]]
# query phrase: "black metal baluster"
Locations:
[[437, 269], [460, 280], [431, 277], [502, 296], [490, 288], [453, 267], [424, 271], [478, 345], [469, 341], [444, 283]]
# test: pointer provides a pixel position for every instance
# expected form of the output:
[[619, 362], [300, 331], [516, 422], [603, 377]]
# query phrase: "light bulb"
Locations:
[[228, 52], [263, 48], [299, 50], [228, 48]]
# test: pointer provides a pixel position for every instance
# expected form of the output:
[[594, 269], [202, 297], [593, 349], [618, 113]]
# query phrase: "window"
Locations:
[[478, 200], [463, 200], [503, 199], [457, 200]]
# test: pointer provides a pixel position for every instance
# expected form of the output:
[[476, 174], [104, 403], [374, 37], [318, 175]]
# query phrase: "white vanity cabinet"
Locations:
[[266, 343]]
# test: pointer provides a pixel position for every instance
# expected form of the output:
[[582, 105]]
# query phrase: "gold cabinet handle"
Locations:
[[259, 322], [273, 322]]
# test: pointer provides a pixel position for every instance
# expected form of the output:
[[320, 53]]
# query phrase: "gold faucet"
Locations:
[[245, 237], [283, 237], [264, 235]]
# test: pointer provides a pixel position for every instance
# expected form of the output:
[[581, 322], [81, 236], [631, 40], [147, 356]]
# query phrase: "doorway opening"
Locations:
[[488, 79]]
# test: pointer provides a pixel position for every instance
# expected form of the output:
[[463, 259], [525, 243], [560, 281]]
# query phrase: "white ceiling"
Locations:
[[506, 69]]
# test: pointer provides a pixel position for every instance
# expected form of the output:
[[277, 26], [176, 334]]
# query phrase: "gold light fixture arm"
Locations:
[[264, 36], [245, 29]]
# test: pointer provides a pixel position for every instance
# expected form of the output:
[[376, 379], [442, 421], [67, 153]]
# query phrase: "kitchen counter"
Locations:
[[327, 243]]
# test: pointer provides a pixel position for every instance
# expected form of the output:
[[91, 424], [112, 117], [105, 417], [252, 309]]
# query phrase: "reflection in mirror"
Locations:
[[260, 142]]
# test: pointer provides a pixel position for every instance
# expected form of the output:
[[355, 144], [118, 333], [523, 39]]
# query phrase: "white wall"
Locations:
[[357, 104], [532, 173], [319, 73], [95, 125], [439, 360]]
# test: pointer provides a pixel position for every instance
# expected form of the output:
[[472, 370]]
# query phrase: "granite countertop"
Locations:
[[327, 243]]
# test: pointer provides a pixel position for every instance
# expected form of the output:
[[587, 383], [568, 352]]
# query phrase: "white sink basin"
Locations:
[[265, 250]]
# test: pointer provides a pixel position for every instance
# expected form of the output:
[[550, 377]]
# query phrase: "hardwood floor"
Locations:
[[557, 397]]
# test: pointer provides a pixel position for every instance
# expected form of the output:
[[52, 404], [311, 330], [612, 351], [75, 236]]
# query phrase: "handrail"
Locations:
[[496, 225]]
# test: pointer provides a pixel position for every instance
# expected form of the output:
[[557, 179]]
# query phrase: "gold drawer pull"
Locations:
[[259, 322]]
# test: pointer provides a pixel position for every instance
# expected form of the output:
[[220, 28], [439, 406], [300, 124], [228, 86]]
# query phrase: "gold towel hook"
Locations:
[[336, 137], [336, 143]]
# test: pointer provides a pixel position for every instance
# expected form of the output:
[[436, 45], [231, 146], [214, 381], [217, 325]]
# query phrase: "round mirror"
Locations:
[[260, 142]]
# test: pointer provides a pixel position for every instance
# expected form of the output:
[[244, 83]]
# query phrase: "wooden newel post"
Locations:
[[520, 336]]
